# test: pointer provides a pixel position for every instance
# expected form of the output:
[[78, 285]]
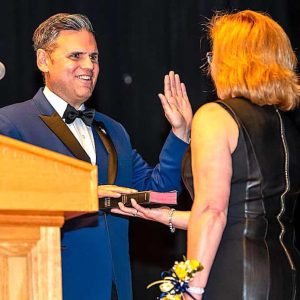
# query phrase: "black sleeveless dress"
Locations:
[[257, 258]]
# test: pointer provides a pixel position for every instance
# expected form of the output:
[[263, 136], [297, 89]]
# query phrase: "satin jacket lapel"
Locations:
[[110, 148], [52, 119], [61, 130]]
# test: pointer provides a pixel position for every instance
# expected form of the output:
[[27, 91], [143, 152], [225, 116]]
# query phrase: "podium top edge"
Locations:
[[43, 152]]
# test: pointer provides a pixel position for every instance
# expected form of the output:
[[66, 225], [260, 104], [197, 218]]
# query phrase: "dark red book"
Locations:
[[148, 198]]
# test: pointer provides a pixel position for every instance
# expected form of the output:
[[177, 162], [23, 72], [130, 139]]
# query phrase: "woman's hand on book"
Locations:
[[158, 214]]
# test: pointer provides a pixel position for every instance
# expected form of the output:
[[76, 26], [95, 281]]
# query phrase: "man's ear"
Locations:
[[42, 60]]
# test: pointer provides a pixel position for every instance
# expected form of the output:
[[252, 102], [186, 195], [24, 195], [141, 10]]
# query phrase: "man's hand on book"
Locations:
[[113, 191], [158, 214]]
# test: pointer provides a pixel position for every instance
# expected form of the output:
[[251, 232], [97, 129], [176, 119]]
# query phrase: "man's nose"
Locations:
[[87, 63]]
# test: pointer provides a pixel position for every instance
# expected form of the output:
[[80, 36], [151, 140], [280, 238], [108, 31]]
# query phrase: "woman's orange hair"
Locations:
[[253, 58]]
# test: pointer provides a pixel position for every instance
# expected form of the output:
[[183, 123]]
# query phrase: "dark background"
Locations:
[[139, 41]]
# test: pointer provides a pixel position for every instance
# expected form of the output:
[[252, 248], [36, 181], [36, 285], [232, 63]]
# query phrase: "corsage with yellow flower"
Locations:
[[175, 282]]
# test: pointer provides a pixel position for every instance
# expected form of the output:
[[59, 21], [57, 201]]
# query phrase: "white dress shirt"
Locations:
[[82, 132]]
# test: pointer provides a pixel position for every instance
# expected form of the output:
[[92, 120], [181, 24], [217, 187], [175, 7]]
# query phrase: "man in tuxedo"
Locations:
[[95, 255]]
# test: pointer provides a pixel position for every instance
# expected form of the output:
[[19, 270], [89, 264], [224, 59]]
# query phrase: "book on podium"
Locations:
[[145, 198]]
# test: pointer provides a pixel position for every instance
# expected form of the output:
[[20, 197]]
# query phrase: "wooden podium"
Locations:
[[37, 188]]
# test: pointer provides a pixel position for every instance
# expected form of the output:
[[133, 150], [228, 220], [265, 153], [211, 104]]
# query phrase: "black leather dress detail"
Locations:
[[257, 258]]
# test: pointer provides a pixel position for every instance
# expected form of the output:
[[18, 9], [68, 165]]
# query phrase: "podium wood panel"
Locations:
[[33, 178], [38, 188]]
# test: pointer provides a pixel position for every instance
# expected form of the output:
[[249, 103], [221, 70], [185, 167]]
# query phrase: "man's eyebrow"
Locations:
[[77, 52], [84, 52]]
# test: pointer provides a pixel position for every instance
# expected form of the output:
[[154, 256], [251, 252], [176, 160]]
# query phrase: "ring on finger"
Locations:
[[135, 213]]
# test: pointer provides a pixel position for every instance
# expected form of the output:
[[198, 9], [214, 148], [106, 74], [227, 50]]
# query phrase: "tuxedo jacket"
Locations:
[[95, 256]]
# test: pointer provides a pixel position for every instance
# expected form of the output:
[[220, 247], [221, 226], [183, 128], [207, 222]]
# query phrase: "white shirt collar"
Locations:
[[58, 103]]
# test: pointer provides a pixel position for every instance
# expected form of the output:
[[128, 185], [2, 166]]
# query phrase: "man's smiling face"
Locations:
[[72, 66]]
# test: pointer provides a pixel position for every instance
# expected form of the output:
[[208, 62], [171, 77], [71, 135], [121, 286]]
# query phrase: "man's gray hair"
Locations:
[[47, 32]]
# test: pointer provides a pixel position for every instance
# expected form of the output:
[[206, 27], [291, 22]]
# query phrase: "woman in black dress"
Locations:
[[243, 170]]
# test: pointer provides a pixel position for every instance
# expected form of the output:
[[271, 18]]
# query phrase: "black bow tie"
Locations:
[[87, 115]]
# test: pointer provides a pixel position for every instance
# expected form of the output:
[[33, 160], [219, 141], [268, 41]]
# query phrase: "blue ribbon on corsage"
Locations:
[[175, 282]]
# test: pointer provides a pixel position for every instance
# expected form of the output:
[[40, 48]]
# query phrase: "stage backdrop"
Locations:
[[139, 41]]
